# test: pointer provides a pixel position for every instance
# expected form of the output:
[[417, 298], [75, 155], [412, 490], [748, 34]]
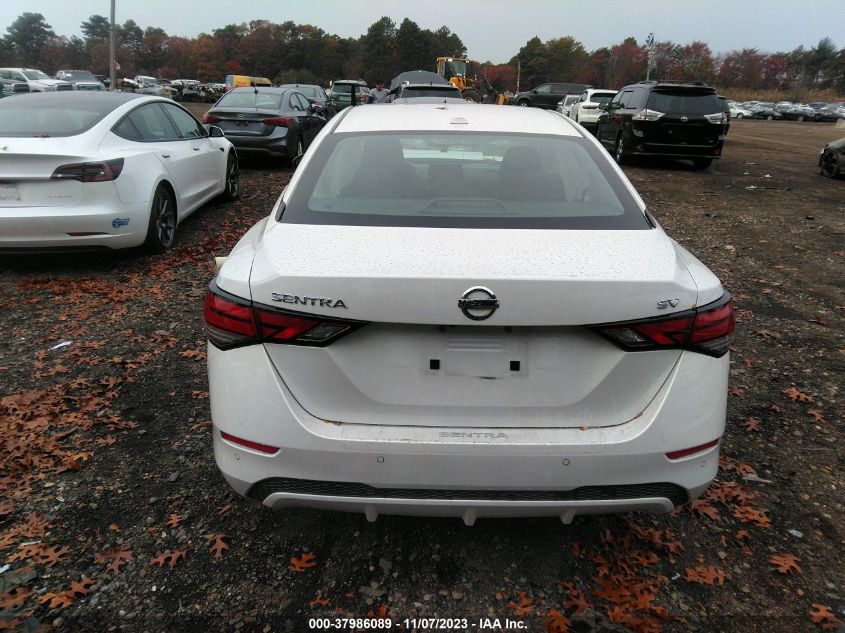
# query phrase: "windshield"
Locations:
[[456, 68], [79, 75], [684, 102], [35, 74], [150, 81], [480, 180], [251, 99], [51, 117], [345, 88]]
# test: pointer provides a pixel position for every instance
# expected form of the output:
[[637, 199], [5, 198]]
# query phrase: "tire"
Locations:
[[800, 119], [740, 116], [831, 164], [619, 152], [161, 231], [770, 118], [523, 102], [300, 150], [233, 179], [472, 96], [701, 163]]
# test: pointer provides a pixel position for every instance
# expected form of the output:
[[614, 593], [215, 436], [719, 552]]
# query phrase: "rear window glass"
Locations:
[[251, 99], [477, 180], [79, 75], [684, 102], [22, 116], [412, 91], [344, 88], [602, 97]]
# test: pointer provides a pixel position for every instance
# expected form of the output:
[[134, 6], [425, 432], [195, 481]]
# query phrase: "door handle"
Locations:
[[165, 155], [196, 149]]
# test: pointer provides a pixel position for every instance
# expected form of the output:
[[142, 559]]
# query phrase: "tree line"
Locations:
[[290, 52]]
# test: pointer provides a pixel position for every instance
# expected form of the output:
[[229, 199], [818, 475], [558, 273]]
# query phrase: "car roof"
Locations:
[[116, 99], [262, 89], [470, 117]]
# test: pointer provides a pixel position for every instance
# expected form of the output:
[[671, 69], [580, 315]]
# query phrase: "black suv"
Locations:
[[547, 95], [677, 119]]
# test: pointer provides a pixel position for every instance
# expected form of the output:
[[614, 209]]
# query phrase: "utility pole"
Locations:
[[649, 42], [112, 60], [518, 69]]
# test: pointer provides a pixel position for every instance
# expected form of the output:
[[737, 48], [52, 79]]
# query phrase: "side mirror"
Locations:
[[534, 91], [604, 106], [214, 131]]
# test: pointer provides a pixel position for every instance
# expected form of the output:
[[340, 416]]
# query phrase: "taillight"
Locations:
[[90, 172], [280, 121], [647, 115], [233, 322], [686, 452], [210, 118], [708, 330]]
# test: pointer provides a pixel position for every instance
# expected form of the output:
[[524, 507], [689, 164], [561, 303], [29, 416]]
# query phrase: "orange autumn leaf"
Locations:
[[524, 607], [556, 622], [816, 414], [733, 390], [118, 558], [56, 601], [319, 602], [301, 564], [218, 546], [822, 615], [751, 425], [703, 508], [380, 614], [786, 563], [704, 575], [15, 599], [167, 556], [741, 535], [750, 515], [174, 520], [81, 587], [796, 395], [224, 509]]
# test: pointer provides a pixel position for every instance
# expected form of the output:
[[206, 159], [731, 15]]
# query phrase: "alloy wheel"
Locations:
[[165, 220]]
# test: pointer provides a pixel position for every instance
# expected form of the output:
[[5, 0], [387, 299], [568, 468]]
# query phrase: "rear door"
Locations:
[[209, 162], [684, 121], [150, 124]]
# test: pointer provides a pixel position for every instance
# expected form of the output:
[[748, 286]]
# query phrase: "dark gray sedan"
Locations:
[[266, 121]]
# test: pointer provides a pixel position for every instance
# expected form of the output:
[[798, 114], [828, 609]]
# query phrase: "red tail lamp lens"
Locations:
[[686, 452], [261, 448]]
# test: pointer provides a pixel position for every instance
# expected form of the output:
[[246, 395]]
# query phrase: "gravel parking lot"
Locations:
[[114, 517]]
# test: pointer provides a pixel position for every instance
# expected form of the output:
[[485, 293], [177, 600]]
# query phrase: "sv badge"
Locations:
[[662, 304]]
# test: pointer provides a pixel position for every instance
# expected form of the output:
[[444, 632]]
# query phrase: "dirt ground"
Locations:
[[114, 517]]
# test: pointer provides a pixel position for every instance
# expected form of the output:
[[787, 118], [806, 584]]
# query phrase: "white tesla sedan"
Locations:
[[465, 310], [104, 170]]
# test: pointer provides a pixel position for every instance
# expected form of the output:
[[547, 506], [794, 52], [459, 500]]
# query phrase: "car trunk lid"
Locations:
[[420, 361]]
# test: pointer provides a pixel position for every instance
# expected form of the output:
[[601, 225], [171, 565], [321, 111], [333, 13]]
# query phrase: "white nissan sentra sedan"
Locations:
[[465, 310], [84, 169]]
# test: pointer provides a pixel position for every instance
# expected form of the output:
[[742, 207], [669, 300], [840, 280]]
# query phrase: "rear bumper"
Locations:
[[270, 145], [677, 151], [103, 223], [469, 472]]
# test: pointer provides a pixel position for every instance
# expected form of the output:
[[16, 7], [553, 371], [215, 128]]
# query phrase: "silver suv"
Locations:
[[35, 79]]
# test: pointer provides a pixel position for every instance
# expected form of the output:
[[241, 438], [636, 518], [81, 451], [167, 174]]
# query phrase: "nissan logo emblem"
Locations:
[[684, 119], [478, 303]]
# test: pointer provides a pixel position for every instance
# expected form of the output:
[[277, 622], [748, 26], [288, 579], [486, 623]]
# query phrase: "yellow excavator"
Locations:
[[477, 89]]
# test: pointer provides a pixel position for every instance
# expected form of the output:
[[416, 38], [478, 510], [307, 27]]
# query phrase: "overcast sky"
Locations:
[[491, 29]]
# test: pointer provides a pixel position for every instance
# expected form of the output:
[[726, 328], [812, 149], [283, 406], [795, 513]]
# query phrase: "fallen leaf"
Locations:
[[741, 535], [319, 602], [114, 527], [751, 425], [556, 622], [301, 564], [81, 587], [750, 515], [704, 575], [821, 614], [733, 390], [167, 556], [118, 557], [174, 520], [816, 414], [14, 599], [56, 601], [219, 545], [797, 395], [224, 509], [524, 607], [703, 508], [380, 614], [786, 563]]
